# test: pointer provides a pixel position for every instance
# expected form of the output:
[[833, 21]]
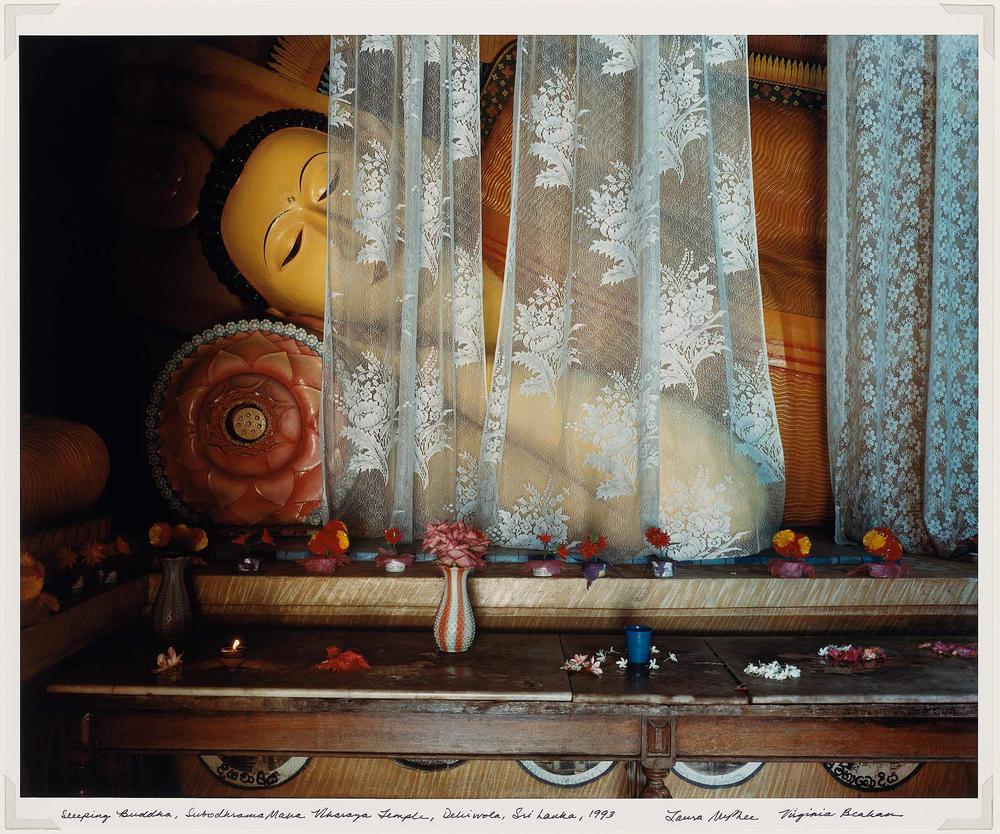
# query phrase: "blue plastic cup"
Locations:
[[637, 642]]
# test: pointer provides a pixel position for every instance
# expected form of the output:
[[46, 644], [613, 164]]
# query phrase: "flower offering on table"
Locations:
[[952, 649], [772, 671], [882, 542], [389, 557], [458, 549], [547, 566], [849, 654], [662, 564], [795, 547], [169, 662], [328, 549], [347, 660]]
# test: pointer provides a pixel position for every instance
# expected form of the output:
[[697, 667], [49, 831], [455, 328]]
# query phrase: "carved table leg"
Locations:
[[655, 786], [657, 755]]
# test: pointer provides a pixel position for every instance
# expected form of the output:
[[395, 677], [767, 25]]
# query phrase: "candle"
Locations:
[[234, 655]]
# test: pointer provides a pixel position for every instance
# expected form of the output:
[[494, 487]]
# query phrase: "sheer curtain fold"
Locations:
[[404, 392], [630, 386], [902, 289]]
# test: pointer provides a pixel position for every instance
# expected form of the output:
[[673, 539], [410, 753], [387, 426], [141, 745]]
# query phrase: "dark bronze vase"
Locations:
[[172, 606]]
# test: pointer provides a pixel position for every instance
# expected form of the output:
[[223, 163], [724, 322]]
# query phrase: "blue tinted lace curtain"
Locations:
[[404, 393], [630, 386], [902, 288]]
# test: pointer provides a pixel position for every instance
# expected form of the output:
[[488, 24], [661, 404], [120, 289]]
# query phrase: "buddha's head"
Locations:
[[263, 213]]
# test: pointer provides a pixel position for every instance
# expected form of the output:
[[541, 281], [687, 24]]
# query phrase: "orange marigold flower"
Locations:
[[393, 536], [160, 534], [588, 549], [782, 538], [563, 551], [93, 554], [874, 541], [790, 544], [191, 539], [66, 557]]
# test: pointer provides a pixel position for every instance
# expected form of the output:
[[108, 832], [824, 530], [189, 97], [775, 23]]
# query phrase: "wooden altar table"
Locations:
[[508, 698]]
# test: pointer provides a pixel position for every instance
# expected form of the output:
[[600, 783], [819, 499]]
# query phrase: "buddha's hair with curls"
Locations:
[[222, 176]]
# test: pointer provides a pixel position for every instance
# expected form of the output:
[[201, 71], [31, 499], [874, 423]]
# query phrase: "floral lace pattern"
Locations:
[[632, 303], [406, 375], [542, 327], [334, 84], [623, 53], [368, 399], [620, 214], [536, 512], [682, 104], [374, 212], [737, 224], [554, 116], [690, 323], [701, 513], [463, 85], [902, 304], [610, 424], [429, 427], [468, 309]]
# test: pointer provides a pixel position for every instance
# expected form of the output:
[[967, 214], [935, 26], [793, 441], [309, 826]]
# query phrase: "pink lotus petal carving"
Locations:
[[264, 470]]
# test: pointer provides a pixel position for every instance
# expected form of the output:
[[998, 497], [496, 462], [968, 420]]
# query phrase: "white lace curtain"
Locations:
[[404, 390], [902, 287], [630, 386]]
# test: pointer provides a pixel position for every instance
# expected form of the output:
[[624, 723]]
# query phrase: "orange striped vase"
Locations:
[[454, 624]]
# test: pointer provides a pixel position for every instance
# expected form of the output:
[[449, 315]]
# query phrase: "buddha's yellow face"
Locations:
[[274, 221]]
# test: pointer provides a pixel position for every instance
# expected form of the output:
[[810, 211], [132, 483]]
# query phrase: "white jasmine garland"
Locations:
[[773, 671]]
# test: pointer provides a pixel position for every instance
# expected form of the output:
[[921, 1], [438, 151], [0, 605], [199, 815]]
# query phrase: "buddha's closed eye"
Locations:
[[296, 247], [331, 185]]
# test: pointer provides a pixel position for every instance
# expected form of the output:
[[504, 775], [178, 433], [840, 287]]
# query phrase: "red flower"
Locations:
[[393, 536], [881, 541], [332, 540], [544, 538], [343, 661], [240, 539], [563, 551], [265, 537], [658, 538]]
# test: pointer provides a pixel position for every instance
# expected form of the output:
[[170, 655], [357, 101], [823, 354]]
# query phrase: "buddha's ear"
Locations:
[[156, 173]]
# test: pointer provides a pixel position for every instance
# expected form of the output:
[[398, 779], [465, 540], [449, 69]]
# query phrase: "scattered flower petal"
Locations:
[[773, 671]]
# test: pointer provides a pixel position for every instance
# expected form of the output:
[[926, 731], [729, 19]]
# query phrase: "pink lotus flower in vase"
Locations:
[[456, 544], [458, 549]]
